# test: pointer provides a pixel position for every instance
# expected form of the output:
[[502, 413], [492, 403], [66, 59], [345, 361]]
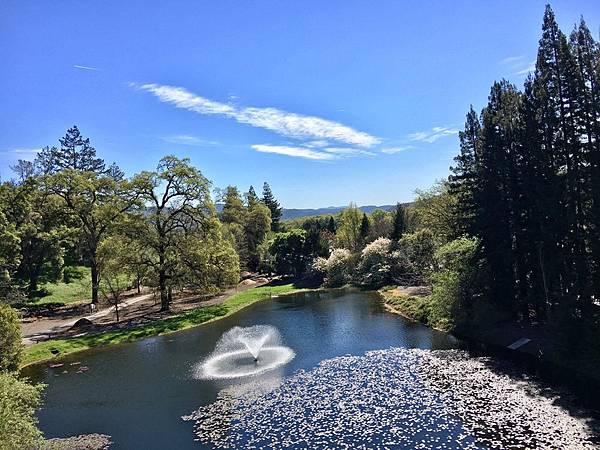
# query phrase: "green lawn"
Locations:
[[44, 350], [78, 289]]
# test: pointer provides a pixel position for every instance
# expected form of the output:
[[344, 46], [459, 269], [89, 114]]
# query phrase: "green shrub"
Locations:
[[19, 402], [11, 347]]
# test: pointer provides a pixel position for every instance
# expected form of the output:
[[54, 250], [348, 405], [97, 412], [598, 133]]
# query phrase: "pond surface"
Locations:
[[138, 392]]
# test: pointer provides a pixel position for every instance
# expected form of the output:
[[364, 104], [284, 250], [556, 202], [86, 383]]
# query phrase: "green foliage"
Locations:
[[289, 252], [451, 300], [256, 228], [11, 348], [273, 205], [44, 350], [399, 222], [19, 402], [348, 230], [233, 207], [419, 247], [433, 209], [179, 197], [381, 225]]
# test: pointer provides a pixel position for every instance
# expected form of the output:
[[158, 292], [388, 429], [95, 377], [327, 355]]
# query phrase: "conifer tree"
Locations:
[[273, 205], [463, 181], [75, 153], [331, 225], [251, 197], [365, 228], [399, 224]]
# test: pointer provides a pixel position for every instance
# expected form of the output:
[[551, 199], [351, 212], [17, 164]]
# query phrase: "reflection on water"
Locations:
[[138, 392]]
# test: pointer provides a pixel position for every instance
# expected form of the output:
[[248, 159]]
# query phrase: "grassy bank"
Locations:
[[419, 308], [55, 348]]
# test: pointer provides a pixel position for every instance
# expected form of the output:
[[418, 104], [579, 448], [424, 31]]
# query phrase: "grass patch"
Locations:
[[416, 308], [59, 347], [78, 288]]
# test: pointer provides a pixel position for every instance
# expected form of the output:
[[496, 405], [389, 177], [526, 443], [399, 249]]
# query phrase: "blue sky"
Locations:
[[330, 102]]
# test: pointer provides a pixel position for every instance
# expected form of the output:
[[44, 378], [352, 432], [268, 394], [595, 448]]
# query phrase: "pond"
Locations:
[[352, 362]]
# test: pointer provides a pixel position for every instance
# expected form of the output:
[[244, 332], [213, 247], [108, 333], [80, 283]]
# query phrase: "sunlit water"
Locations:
[[351, 378]]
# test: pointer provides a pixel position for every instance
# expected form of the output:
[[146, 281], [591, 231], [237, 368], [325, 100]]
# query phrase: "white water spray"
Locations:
[[245, 351]]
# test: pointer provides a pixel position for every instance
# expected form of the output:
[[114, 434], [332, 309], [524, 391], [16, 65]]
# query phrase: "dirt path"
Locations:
[[133, 311]]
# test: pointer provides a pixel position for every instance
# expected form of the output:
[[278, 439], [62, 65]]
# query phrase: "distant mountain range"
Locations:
[[293, 213]]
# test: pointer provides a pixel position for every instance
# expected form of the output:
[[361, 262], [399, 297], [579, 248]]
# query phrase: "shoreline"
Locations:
[[496, 340], [44, 352]]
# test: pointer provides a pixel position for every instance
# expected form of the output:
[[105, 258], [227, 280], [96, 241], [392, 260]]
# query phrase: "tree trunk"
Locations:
[[95, 281], [117, 309], [162, 284]]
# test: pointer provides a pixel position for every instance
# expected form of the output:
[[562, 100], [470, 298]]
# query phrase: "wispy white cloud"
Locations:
[[285, 123], [513, 59], [528, 69], [433, 135], [186, 139], [348, 152], [77, 66], [20, 151], [392, 150], [298, 152]]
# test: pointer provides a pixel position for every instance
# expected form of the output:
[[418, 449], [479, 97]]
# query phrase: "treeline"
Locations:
[[526, 184], [158, 228]]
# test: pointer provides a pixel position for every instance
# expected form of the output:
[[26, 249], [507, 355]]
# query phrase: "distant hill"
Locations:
[[292, 213]]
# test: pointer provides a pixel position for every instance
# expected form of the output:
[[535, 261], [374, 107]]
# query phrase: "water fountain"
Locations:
[[245, 351]]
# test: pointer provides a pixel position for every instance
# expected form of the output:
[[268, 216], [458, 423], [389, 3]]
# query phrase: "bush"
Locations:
[[72, 273], [10, 339], [337, 269], [19, 402], [419, 248], [452, 295], [379, 264]]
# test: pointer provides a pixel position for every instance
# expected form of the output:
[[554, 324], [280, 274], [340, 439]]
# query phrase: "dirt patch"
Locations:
[[83, 442]]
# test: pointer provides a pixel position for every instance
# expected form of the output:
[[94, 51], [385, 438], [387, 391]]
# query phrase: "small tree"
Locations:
[[11, 348], [348, 231], [114, 263], [19, 402]]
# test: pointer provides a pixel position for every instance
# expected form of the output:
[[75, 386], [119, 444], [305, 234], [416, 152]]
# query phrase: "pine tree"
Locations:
[[273, 205], [365, 228], [251, 197], [75, 152], [399, 224], [463, 181], [233, 207], [331, 225]]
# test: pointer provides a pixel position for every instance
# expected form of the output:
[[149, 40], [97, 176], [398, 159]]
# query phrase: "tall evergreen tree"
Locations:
[[399, 222], [331, 225], [273, 205], [251, 197], [463, 181], [75, 153], [365, 228]]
